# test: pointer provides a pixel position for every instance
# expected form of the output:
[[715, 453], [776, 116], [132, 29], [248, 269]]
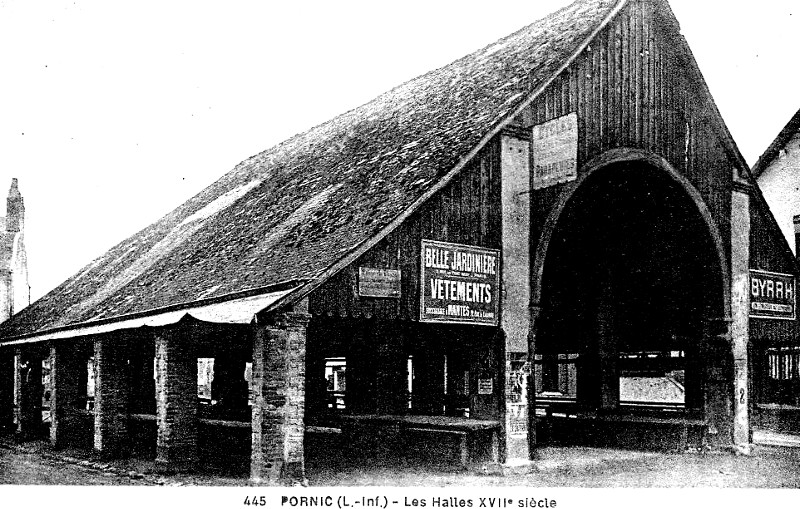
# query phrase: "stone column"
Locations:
[[28, 392], [111, 396], [536, 313], [279, 350], [716, 376], [516, 292], [66, 364], [740, 313], [176, 400]]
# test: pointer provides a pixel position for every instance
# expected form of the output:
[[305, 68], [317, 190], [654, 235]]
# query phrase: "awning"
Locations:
[[235, 311]]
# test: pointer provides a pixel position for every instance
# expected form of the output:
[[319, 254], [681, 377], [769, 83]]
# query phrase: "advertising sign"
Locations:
[[378, 282], [459, 283], [772, 295], [554, 149]]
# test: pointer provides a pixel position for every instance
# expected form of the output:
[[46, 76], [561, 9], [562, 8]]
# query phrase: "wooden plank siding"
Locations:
[[631, 89], [466, 211], [768, 251]]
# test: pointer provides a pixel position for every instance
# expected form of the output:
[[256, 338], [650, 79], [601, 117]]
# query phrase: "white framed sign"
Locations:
[[554, 151]]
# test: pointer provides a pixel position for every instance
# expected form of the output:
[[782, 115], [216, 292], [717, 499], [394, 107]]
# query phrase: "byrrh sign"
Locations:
[[459, 283], [772, 295]]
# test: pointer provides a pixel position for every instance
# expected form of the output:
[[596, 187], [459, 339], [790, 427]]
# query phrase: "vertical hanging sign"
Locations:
[[459, 283], [554, 151]]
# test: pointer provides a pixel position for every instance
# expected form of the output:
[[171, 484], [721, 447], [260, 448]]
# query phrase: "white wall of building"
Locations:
[[780, 184]]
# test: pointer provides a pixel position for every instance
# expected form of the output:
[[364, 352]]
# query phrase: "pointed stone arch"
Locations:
[[709, 395]]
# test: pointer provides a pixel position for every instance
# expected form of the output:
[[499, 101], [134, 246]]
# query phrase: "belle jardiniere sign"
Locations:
[[459, 283]]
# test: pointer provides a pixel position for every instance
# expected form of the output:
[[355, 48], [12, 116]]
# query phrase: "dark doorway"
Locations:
[[629, 279]]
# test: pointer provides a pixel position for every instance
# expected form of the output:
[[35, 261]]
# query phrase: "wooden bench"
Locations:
[[467, 432], [683, 424], [565, 412], [462, 436]]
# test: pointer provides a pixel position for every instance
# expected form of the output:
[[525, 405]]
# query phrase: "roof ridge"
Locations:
[[499, 124], [399, 86]]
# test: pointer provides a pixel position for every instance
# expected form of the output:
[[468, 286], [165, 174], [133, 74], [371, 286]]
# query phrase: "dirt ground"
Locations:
[[767, 467]]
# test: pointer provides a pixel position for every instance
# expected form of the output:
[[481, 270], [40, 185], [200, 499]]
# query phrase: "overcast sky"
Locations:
[[112, 114]]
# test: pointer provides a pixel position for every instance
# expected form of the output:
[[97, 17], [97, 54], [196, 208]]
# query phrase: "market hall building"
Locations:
[[546, 241]]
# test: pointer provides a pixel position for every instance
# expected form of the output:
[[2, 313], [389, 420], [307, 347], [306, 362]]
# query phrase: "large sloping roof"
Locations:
[[789, 130], [295, 210]]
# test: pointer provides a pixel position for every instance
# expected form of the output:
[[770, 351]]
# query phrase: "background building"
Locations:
[[14, 289], [778, 174]]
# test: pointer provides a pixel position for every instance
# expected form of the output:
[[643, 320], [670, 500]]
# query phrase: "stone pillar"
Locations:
[[6, 391], [28, 393], [279, 350], [716, 376], [176, 400], [535, 310], [66, 392], [740, 314], [516, 293], [111, 396]]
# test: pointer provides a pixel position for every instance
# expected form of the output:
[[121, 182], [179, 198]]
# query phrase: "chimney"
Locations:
[[15, 209]]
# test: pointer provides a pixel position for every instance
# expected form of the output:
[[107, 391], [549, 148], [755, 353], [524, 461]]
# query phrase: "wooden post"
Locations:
[[516, 294], [740, 309]]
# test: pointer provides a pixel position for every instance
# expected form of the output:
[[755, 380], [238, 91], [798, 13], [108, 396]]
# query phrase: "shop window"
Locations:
[[652, 380], [784, 363], [336, 382], [205, 376]]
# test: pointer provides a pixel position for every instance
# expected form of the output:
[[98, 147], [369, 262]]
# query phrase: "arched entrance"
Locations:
[[629, 341]]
